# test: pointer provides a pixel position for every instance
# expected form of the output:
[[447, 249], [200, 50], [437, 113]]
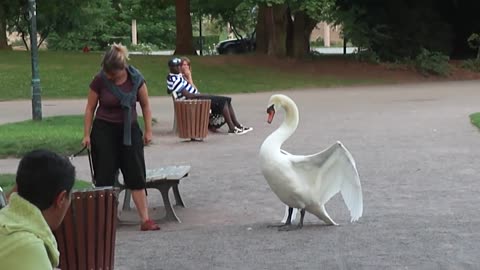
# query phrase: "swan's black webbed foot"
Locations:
[[277, 225], [288, 223], [290, 227]]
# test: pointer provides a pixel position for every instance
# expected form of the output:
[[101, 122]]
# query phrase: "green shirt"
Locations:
[[26, 240]]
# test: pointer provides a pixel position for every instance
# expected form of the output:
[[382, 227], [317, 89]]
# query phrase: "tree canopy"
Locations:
[[402, 28], [392, 29]]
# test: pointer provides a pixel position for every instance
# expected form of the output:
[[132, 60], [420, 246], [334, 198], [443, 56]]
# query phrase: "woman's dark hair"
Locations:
[[115, 58], [42, 175], [174, 65], [174, 62]]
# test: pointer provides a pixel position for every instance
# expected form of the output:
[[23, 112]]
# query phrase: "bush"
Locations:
[[74, 41], [317, 43], [400, 64], [471, 64], [208, 41], [144, 48], [435, 63], [474, 43], [210, 50], [368, 56]]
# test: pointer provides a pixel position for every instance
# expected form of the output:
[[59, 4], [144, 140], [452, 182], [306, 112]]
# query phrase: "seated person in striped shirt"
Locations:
[[183, 89]]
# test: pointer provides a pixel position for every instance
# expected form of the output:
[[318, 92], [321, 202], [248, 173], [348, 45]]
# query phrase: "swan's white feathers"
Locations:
[[329, 172], [309, 181]]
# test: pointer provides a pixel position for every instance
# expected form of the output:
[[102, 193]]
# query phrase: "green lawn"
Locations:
[[61, 134], [7, 181], [475, 119], [68, 74]]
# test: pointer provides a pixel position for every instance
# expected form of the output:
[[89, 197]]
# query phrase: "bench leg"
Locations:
[[169, 212], [126, 200], [178, 198]]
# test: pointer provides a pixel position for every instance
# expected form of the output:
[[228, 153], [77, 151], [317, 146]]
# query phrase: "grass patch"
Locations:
[[7, 181], [475, 119], [61, 134], [68, 74]]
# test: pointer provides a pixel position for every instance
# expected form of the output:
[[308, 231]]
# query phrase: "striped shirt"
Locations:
[[176, 83]]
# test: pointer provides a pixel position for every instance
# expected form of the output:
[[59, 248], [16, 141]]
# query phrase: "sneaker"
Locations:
[[237, 131], [149, 225], [247, 129]]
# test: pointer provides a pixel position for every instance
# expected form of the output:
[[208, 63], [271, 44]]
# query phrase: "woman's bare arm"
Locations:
[[147, 112], [92, 101]]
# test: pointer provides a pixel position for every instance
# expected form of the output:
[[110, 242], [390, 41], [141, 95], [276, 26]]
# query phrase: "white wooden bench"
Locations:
[[162, 179]]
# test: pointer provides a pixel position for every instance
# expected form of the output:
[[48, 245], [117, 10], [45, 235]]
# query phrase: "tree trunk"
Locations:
[[302, 28], [290, 30], [277, 30], [25, 41], [184, 39], [261, 31], [3, 29]]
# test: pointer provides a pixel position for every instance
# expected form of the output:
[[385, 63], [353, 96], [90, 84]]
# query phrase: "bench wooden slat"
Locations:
[[88, 224], [167, 173], [192, 117]]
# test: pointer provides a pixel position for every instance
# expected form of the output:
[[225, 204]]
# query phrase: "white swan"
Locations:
[[308, 182]]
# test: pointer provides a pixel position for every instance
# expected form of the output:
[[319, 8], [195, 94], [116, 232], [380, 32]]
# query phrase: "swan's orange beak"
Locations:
[[271, 114]]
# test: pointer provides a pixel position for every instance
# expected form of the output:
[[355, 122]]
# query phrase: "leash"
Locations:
[[89, 161]]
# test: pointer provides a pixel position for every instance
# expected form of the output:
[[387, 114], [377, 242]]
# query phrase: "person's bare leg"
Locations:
[[228, 118], [233, 116], [140, 200]]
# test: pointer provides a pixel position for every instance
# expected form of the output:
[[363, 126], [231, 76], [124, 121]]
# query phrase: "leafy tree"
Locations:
[[284, 26], [239, 14], [107, 21], [52, 16], [305, 16], [8, 9], [155, 20], [401, 28], [97, 28]]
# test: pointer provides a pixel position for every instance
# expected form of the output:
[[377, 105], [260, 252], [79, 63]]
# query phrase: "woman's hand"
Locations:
[[86, 141], [187, 73], [147, 137]]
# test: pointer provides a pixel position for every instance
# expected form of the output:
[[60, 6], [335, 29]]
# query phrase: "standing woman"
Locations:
[[115, 137]]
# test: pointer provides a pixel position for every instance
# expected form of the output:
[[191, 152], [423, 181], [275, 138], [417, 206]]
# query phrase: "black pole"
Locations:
[[345, 45], [36, 90], [200, 33]]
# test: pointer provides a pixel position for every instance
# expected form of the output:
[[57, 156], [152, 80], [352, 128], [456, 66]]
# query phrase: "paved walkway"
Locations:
[[416, 152]]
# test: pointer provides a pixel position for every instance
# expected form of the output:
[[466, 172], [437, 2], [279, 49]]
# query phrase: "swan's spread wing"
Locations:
[[331, 171]]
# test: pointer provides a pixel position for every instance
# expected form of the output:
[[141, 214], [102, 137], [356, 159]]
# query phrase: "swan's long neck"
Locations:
[[287, 128]]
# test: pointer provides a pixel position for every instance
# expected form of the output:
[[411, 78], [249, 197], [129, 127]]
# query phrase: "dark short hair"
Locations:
[[174, 62], [42, 175]]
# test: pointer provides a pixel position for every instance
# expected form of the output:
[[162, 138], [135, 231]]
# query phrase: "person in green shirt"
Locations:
[[43, 187]]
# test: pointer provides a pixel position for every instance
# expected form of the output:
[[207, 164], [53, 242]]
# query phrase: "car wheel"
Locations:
[[230, 50]]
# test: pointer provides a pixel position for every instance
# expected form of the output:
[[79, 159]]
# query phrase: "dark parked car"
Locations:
[[236, 46]]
